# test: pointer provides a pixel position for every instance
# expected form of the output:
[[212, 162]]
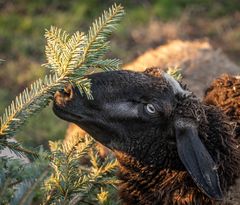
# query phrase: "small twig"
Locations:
[[33, 187], [15, 146]]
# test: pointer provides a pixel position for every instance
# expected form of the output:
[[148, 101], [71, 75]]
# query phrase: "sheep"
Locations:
[[193, 57], [224, 92], [172, 148]]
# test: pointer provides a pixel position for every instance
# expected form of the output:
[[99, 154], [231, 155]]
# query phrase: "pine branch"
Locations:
[[18, 181], [65, 162], [84, 86], [63, 52], [69, 58], [102, 196], [26, 190], [107, 65], [18, 149], [72, 182], [96, 45], [29, 102], [21, 189], [175, 72]]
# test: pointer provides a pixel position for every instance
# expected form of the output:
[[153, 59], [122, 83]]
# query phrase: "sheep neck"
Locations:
[[147, 184]]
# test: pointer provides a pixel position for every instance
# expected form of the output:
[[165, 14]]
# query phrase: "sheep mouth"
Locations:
[[65, 115]]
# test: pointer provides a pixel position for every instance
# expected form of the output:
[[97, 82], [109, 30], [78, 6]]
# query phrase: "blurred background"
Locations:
[[147, 24]]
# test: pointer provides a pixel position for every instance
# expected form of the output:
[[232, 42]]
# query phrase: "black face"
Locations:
[[139, 114], [125, 106]]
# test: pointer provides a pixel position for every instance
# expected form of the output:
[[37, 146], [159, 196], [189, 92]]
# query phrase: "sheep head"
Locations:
[[152, 119]]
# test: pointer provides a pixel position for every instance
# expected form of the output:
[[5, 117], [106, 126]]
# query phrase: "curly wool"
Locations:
[[224, 93]]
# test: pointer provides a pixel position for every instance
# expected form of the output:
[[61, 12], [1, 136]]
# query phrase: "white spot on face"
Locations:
[[122, 109], [177, 89]]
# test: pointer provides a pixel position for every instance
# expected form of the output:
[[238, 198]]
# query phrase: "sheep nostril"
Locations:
[[67, 91], [64, 95], [58, 97]]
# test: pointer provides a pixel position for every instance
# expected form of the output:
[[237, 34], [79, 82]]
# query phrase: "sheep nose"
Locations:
[[61, 97]]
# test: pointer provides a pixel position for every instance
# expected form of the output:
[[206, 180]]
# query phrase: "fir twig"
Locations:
[[18, 178], [18, 149], [28, 194], [107, 65], [68, 58], [175, 72], [27, 103], [73, 182], [98, 33]]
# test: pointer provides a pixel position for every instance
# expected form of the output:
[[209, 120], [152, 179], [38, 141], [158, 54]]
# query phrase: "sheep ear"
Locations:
[[197, 159]]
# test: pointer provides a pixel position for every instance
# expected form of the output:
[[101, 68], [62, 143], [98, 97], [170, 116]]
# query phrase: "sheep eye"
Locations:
[[150, 109]]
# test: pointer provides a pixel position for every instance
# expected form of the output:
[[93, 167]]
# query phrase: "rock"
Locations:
[[199, 61]]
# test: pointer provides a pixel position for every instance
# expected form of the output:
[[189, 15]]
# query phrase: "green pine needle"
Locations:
[[175, 72]]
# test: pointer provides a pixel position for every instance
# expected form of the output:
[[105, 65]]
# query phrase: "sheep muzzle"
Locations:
[[118, 111]]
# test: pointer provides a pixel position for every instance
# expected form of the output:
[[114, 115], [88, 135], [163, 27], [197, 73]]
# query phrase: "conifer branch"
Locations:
[[100, 30], [107, 64], [19, 180], [27, 103], [175, 72], [18, 149], [25, 190], [63, 52], [73, 182], [69, 58]]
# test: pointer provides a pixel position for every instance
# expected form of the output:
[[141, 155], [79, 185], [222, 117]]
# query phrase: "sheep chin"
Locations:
[[177, 89]]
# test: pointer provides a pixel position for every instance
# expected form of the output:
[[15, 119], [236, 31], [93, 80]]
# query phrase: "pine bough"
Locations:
[[69, 59]]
